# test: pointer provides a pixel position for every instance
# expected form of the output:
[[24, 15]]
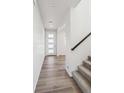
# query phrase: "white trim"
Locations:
[[69, 73]]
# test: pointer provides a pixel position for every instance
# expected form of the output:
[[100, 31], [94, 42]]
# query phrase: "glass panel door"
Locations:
[[51, 43]]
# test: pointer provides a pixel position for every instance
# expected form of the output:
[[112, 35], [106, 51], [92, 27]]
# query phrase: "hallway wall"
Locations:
[[38, 45], [80, 27], [61, 41]]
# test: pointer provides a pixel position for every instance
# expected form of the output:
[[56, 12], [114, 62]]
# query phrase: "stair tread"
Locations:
[[84, 69], [85, 72], [88, 62], [82, 82]]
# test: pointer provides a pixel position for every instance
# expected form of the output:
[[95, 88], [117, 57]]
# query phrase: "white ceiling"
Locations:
[[53, 11]]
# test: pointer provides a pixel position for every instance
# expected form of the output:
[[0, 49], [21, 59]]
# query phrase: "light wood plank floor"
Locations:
[[53, 77]]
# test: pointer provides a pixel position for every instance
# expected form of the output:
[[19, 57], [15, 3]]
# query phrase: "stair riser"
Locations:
[[87, 65], [89, 58], [85, 75]]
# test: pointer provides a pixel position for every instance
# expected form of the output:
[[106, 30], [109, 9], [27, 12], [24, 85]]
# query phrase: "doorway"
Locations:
[[51, 42]]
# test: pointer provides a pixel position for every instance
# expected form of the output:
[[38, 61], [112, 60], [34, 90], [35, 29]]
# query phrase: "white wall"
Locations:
[[38, 44], [61, 40], [80, 27]]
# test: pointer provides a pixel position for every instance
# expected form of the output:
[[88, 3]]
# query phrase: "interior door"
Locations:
[[51, 41]]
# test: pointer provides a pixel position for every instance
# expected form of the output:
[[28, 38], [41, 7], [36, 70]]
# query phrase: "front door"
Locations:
[[51, 42]]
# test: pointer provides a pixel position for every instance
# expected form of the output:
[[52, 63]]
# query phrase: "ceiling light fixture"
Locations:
[[50, 21]]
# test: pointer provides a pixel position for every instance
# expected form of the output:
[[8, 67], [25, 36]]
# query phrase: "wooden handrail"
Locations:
[[80, 42]]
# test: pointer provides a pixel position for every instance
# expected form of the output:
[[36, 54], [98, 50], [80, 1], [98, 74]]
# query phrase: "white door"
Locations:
[[51, 42]]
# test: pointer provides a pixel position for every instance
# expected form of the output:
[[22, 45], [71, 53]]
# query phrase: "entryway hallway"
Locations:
[[61, 27], [53, 77]]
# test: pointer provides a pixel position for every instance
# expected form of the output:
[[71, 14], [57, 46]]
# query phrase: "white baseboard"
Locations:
[[69, 73]]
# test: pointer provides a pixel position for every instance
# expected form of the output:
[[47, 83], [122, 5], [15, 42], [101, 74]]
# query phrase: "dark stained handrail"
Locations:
[[80, 42]]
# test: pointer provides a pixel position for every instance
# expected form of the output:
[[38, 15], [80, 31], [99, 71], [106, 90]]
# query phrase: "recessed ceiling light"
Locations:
[[50, 21]]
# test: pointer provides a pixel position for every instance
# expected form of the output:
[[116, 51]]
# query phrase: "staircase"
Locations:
[[83, 76]]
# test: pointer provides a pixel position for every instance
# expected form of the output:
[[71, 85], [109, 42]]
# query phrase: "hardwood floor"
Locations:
[[54, 79]]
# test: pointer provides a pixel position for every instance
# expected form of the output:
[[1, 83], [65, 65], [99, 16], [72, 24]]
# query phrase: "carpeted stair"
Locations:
[[83, 76]]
